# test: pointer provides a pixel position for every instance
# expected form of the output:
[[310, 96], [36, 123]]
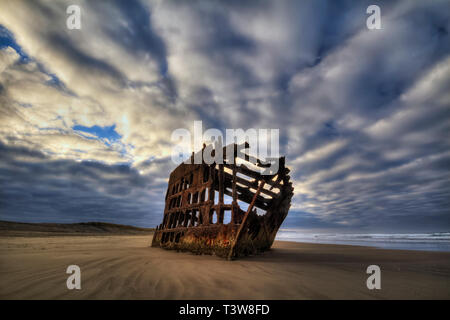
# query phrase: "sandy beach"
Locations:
[[125, 267]]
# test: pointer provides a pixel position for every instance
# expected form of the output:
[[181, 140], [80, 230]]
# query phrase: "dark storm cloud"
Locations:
[[69, 50], [35, 188], [138, 34]]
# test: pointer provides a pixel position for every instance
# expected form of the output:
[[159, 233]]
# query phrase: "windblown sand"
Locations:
[[125, 267]]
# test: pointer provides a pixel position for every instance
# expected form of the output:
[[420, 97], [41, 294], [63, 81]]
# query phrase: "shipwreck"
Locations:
[[229, 209]]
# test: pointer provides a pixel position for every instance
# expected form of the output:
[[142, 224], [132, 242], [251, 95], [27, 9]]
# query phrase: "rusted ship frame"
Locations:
[[195, 208]]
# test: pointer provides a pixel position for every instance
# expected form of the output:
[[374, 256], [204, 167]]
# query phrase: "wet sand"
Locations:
[[125, 267]]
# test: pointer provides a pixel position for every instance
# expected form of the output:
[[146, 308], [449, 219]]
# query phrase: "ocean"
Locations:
[[438, 241]]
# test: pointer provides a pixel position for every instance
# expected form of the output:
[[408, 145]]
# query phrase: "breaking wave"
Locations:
[[436, 241]]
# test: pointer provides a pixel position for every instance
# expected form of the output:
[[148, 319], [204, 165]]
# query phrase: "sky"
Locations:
[[86, 116]]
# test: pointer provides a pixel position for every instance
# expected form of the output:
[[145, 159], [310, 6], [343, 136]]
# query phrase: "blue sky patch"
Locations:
[[7, 40], [108, 133]]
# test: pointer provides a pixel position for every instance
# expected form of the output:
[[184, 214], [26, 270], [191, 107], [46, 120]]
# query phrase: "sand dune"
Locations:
[[125, 267]]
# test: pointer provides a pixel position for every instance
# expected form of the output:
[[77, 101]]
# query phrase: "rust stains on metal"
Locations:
[[224, 209]]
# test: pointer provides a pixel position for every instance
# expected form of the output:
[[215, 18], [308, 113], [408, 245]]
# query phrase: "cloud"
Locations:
[[363, 115], [37, 188]]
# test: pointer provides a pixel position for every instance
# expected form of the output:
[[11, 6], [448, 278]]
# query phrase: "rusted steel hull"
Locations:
[[195, 197]]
